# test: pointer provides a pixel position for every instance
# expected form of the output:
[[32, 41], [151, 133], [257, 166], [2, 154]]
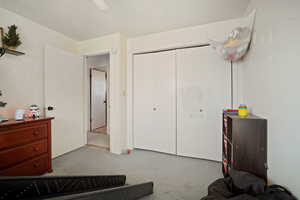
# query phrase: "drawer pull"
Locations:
[[36, 133], [35, 149], [36, 165]]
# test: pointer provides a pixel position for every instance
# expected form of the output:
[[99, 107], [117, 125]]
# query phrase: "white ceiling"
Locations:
[[82, 19]]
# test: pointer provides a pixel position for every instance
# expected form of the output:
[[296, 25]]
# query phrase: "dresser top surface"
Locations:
[[250, 116], [25, 121]]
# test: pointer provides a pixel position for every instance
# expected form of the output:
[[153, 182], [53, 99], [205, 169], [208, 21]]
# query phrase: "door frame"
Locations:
[[87, 96], [106, 96]]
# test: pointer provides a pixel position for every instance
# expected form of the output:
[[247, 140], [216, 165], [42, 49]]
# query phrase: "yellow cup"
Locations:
[[243, 112]]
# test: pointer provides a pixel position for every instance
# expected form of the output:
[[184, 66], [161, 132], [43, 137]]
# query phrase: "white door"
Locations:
[[98, 99], [154, 100], [203, 91], [64, 92]]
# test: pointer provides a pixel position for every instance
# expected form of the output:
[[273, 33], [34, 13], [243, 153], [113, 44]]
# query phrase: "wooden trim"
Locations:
[[49, 168]]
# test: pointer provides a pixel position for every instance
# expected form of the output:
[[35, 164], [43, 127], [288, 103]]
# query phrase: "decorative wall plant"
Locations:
[[12, 38], [2, 104], [1, 37]]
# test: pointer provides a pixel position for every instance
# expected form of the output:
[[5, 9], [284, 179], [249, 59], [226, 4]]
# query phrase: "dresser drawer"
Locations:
[[34, 167], [22, 136], [19, 154]]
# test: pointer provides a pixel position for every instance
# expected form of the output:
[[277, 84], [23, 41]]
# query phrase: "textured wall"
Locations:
[[271, 84]]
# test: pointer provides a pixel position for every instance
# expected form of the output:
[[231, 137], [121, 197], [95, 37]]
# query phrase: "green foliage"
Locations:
[[2, 104], [12, 38]]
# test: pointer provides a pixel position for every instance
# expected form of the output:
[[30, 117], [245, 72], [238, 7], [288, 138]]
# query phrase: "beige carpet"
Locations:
[[102, 130], [174, 177], [99, 140]]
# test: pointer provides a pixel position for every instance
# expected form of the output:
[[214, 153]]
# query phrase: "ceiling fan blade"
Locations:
[[101, 4]]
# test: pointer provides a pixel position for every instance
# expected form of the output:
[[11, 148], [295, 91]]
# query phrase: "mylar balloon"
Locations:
[[236, 46]]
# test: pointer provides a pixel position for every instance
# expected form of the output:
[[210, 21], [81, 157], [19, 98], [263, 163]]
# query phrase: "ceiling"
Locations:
[[82, 20]]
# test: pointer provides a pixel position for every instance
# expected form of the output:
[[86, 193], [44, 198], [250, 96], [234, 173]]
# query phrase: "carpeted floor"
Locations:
[[102, 130], [98, 139], [174, 177]]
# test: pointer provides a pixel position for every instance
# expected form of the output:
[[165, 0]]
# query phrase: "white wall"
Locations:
[[22, 78], [173, 39], [112, 44], [123, 80], [183, 37], [271, 85], [100, 62]]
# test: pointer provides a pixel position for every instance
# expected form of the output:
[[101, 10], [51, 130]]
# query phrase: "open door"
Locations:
[[64, 96], [98, 99]]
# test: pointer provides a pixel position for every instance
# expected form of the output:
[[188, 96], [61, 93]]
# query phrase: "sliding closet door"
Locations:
[[154, 99], [203, 91]]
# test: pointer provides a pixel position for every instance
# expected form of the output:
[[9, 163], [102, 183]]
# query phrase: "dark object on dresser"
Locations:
[[72, 187], [245, 145], [25, 147]]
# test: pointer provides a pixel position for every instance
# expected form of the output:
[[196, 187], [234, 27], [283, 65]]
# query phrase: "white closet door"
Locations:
[[203, 91], [154, 109]]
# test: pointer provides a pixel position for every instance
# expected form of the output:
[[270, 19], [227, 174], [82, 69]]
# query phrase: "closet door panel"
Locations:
[[154, 107], [203, 81], [143, 100]]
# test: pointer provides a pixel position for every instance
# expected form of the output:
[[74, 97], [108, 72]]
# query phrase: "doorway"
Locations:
[[98, 105], [98, 134]]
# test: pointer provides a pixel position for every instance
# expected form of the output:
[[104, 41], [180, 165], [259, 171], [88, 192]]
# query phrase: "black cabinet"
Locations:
[[245, 144]]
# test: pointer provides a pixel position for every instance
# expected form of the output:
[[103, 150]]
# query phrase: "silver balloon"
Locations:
[[236, 46]]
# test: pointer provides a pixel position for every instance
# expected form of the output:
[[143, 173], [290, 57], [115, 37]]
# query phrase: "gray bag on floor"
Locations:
[[240, 197], [213, 197], [246, 183], [243, 197], [221, 187], [276, 192], [238, 186]]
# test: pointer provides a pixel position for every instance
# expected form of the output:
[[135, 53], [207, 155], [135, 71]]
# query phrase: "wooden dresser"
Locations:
[[25, 147], [245, 144]]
